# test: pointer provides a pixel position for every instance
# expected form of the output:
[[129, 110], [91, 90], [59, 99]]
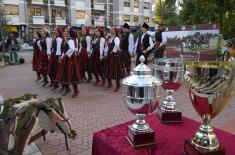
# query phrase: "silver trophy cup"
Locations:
[[170, 72], [141, 96]]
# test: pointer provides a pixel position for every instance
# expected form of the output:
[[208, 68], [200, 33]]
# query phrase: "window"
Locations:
[[35, 11], [80, 14], [136, 4], [12, 9], [146, 5], [126, 18], [56, 13], [98, 1], [136, 19], [127, 4], [146, 19]]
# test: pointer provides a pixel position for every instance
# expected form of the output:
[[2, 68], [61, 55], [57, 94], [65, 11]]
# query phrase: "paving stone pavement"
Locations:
[[94, 109]]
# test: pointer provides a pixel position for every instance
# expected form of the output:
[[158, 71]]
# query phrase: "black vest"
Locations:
[[35, 44], [83, 42], [145, 42], [44, 44], [111, 46], [125, 41]]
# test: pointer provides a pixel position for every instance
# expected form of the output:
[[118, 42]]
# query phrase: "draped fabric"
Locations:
[[169, 139]]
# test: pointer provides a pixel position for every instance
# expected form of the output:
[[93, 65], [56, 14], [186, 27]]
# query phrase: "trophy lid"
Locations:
[[141, 76]]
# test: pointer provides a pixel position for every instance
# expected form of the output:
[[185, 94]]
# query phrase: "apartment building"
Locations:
[[133, 12], [27, 16]]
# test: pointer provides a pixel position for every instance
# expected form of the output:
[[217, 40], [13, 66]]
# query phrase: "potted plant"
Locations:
[[2, 62]]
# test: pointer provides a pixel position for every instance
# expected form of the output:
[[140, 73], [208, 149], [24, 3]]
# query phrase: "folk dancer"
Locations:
[[115, 69], [127, 48], [84, 53], [36, 54], [144, 44], [57, 50], [46, 44], [69, 73], [97, 55]]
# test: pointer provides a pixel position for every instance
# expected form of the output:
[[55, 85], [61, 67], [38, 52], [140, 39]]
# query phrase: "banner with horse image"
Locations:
[[192, 37]]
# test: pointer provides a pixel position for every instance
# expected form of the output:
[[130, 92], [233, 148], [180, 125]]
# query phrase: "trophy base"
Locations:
[[190, 149], [169, 117], [140, 139]]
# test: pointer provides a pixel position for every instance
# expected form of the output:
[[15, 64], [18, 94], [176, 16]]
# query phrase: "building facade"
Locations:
[[27, 16]]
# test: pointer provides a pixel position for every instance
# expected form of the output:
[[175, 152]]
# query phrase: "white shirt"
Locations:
[[151, 45], [49, 45], [106, 49], [59, 41], [102, 45], [71, 49], [116, 42], [39, 44], [88, 42], [131, 43]]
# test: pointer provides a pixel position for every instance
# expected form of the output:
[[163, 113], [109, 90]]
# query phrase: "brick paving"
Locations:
[[94, 109]]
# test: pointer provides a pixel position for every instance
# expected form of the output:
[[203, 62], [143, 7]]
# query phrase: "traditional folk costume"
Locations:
[[144, 44], [96, 56], [126, 49], [46, 44], [115, 69], [36, 57], [69, 72], [84, 52]]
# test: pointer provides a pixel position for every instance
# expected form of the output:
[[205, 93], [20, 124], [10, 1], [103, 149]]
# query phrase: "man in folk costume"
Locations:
[[84, 53], [57, 52], [69, 73], [144, 44], [159, 43], [127, 48], [46, 44], [115, 69], [36, 54], [97, 55]]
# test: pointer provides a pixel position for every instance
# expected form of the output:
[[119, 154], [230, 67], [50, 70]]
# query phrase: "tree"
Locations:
[[165, 12], [210, 11], [3, 22]]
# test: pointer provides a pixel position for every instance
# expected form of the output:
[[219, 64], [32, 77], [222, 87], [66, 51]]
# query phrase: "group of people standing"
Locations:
[[70, 59]]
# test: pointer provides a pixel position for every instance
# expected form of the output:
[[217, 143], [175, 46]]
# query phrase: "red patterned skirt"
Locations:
[[43, 62], [116, 69], [69, 71], [36, 60], [95, 62], [83, 59], [53, 66]]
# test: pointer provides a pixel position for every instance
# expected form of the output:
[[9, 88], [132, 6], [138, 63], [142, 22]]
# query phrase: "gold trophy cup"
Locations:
[[210, 86]]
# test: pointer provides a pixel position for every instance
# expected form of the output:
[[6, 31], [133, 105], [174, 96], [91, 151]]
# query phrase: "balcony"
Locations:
[[99, 6], [13, 19], [99, 22], [60, 21], [39, 20], [146, 12], [80, 5], [136, 10], [59, 2], [14, 2], [40, 2], [80, 22], [127, 9]]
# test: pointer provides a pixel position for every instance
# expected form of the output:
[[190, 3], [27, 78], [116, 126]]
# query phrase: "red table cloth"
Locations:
[[169, 139]]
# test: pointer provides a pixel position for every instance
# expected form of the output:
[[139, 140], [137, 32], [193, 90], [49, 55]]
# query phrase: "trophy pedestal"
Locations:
[[169, 117], [140, 139], [190, 149]]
